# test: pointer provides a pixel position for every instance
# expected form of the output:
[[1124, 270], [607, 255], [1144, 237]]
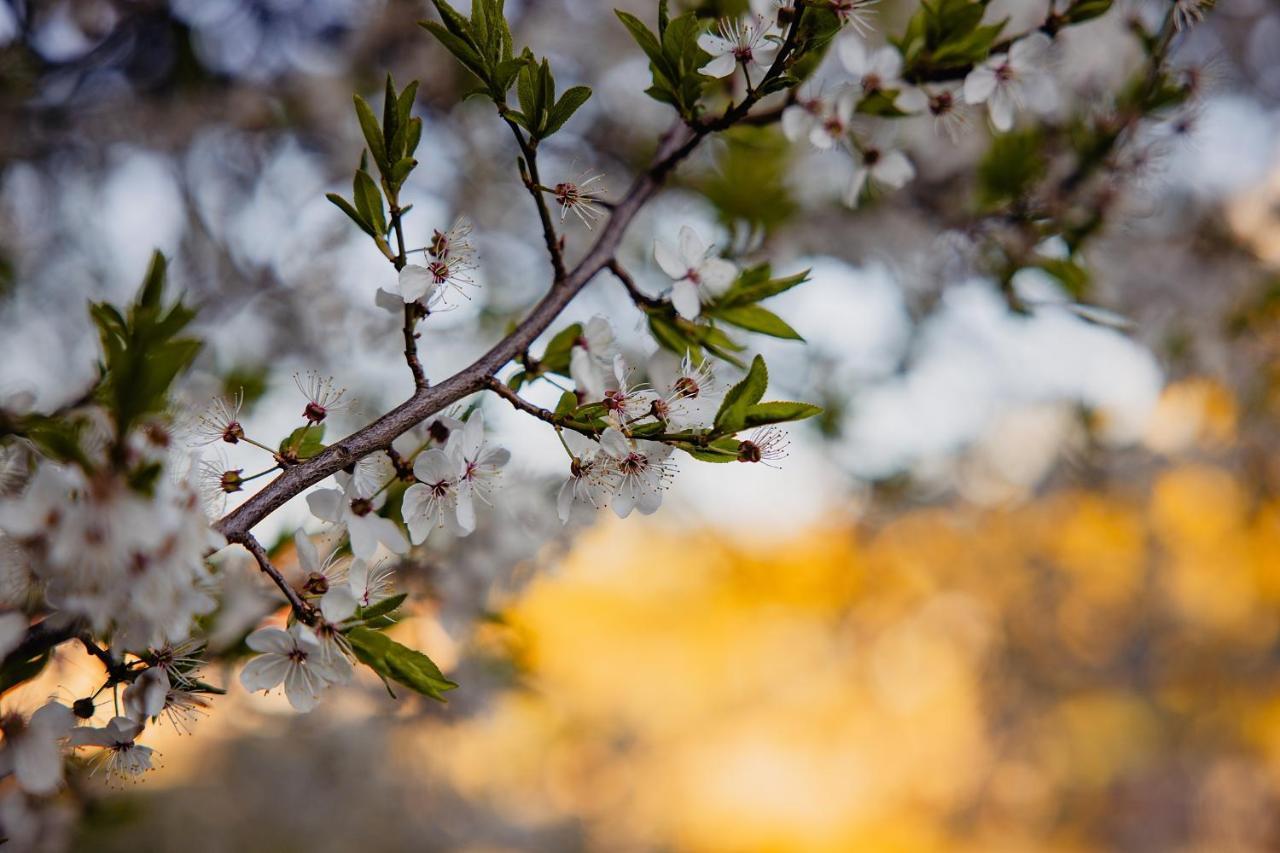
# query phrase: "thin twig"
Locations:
[[533, 183], [304, 611], [643, 302]]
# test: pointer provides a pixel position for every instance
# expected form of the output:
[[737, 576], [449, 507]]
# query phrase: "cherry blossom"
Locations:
[[1016, 80], [700, 276], [746, 42], [294, 658]]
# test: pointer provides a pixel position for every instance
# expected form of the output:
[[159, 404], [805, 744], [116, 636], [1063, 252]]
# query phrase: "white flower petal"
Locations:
[[685, 298], [415, 282], [720, 67], [669, 261], [263, 672]]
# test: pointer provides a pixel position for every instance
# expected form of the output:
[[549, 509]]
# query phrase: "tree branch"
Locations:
[[643, 302], [676, 144]]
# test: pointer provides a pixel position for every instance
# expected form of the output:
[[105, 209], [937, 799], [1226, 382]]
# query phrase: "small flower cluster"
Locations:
[[626, 471], [125, 560], [449, 263], [308, 660], [161, 683], [1016, 79]]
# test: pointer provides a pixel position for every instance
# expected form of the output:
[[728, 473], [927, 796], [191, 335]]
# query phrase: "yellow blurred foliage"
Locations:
[[1058, 676]]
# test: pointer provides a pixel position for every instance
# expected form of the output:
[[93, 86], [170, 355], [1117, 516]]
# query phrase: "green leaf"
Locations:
[[1013, 163], [460, 49], [756, 283], [779, 412], [345, 206], [400, 171], [741, 397], [1074, 278], [369, 201], [647, 40], [569, 102], [1084, 10], [379, 611], [399, 663], [413, 136], [668, 335], [567, 403], [559, 349], [372, 133], [304, 442], [721, 450], [754, 318]]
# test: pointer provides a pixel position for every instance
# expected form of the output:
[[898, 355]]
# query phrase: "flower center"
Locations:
[[439, 271], [634, 463], [314, 412], [871, 156], [361, 507], [1004, 73], [686, 387], [233, 432], [871, 83]]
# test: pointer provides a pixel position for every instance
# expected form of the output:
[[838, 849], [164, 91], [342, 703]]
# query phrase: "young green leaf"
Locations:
[[762, 414], [569, 102], [399, 663], [345, 206], [372, 133], [741, 397], [556, 356], [757, 319]]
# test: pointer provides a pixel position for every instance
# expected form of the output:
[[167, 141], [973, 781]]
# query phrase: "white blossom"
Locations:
[[1015, 80], [688, 395], [643, 469], [832, 126], [879, 166], [121, 559], [31, 747], [592, 476], [584, 196], [356, 510], [745, 41], [876, 71], [221, 421], [800, 118], [326, 578], [855, 14], [416, 283], [591, 356], [626, 402], [122, 757], [700, 276], [478, 468], [432, 501], [324, 397], [294, 658]]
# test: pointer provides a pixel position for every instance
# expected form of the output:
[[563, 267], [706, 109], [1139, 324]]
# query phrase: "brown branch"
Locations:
[[411, 311], [304, 611], [643, 302], [676, 144], [533, 183]]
